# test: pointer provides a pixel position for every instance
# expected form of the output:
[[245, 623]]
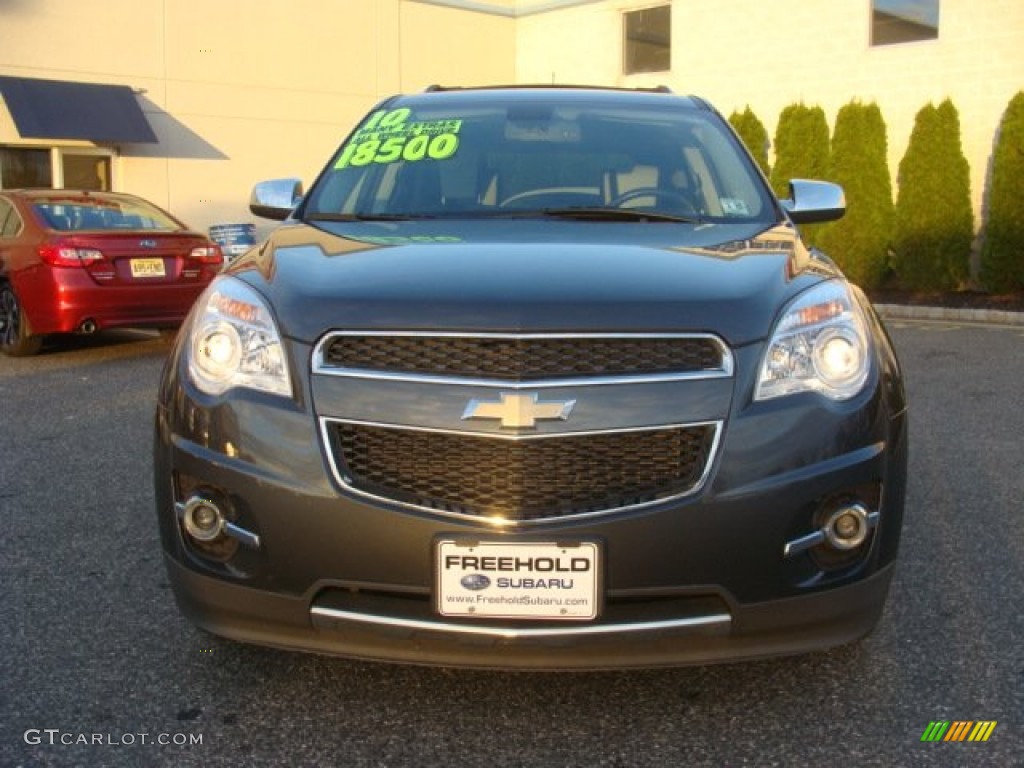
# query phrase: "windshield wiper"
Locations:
[[581, 212], [364, 217], [618, 214]]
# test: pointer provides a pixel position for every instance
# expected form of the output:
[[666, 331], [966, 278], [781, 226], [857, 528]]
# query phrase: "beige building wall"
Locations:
[[770, 53], [243, 90]]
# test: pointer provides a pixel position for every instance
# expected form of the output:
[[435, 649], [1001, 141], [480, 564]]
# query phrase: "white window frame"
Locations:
[[57, 159], [57, 153], [624, 12]]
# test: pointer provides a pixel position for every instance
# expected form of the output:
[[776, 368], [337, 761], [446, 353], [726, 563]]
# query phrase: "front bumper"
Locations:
[[774, 627], [693, 580]]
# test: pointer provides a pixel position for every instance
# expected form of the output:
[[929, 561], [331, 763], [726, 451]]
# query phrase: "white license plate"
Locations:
[[517, 580], [148, 268]]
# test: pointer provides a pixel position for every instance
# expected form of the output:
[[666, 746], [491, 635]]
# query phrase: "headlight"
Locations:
[[819, 345], [234, 342]]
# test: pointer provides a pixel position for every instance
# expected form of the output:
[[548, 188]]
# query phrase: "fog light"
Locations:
[[203, 520], [847, 528]]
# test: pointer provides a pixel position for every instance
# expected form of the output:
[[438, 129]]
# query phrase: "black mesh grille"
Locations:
[[522, 480], [523, 359]]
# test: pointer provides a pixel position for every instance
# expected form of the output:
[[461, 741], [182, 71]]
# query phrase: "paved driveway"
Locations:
[[93, 652]]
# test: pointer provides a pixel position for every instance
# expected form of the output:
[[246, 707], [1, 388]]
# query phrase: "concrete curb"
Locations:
[[951, 315]]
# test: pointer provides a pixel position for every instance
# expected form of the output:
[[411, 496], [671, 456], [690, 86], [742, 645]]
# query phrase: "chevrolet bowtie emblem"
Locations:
[[519, 410]]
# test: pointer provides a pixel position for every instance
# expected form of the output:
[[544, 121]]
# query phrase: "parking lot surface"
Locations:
[[98, 668]]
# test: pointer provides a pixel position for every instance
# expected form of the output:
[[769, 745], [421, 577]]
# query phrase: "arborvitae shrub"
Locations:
[[801, 146], [859, 242], [1002, 256], [801, 152], [934, 219], [753, 134]]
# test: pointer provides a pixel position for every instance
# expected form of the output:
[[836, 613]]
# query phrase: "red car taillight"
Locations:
[[57, 253], [208, 254]]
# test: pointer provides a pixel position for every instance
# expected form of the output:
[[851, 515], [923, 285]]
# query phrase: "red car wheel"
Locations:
[[16, 339]]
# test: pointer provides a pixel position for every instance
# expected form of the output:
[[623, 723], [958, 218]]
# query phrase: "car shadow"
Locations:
[[65, 343]]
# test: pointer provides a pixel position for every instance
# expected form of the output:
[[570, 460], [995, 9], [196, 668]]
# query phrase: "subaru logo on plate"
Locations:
[[475, 582], [147, 243]]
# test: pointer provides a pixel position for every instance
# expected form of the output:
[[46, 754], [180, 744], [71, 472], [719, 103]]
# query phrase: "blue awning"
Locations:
[[60, 109]]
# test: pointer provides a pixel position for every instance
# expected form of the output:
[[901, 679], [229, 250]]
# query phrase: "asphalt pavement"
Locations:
[[98, 668]]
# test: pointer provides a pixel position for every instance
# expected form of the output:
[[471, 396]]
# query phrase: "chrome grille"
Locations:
[[539, 357], [525, 480]]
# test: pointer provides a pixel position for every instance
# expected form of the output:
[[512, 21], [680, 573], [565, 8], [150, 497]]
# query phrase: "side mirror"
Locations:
[[814, 201], [275, 199]]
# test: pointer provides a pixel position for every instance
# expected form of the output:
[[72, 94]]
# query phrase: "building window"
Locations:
[[86, 171], [23, 167], [904, 21], [648, 43]]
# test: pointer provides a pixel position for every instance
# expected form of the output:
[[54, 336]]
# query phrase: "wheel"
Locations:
[[16, 339], [656, 193], [168, 335]]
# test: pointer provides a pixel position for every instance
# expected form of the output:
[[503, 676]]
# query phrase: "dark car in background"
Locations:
[[535, 378], [82, 261]]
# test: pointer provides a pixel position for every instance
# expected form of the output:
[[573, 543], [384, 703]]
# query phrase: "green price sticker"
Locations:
[[385, 119], [386, 137]]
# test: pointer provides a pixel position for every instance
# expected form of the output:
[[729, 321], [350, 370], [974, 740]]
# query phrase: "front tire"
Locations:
[[16, 339]]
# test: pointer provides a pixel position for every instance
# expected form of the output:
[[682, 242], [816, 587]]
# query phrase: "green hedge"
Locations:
[[934, 220], [801, 152], [801, 146], [859, 242], [754, 135], [1002, 259]]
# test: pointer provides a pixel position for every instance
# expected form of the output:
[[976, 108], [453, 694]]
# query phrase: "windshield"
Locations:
[[450, 157]]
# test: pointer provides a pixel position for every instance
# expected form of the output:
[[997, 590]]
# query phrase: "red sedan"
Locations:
[[80, 261]]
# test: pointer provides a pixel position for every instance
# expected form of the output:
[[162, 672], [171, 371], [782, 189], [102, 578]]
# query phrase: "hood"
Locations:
[[530, 276]]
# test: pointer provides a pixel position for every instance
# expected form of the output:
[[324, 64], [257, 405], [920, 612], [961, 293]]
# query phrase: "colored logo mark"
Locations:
[[475, 581], [958, 730]]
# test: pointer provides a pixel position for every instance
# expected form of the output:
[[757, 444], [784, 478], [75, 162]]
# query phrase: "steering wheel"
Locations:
[[655, 192]]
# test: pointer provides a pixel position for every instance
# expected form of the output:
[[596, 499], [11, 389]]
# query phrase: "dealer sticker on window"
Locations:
[[389, 137], [520, 580]]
